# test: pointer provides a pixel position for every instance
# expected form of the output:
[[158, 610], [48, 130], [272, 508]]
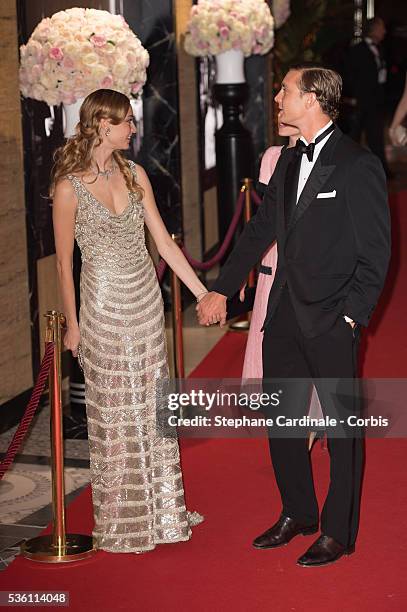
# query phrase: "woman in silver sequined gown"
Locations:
[[136, 478]]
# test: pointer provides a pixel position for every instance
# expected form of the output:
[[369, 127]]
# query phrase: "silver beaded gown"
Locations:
[[136, 479]]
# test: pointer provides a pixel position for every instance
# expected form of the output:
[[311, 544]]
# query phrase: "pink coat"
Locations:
[[253, 363]]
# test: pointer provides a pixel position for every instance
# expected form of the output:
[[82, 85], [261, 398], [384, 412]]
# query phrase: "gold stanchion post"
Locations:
[[244, 323], [58, 547]]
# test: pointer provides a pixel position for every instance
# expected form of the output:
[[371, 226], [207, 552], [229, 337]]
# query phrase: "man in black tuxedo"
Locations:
[[326, 204], [365, 76]]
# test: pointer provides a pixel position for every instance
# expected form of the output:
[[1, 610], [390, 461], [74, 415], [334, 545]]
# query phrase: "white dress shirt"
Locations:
[[306, 166], [380, 63]]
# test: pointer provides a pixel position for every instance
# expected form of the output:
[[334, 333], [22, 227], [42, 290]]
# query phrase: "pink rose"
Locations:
[[56, 53], [98, 40], [68, 63], [224, 32], [24, 80], [107, 82], [132, 59], [135, 88], [36, 71]]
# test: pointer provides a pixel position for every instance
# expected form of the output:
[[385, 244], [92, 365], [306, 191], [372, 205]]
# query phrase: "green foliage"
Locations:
[[295, 39], [313, 30]]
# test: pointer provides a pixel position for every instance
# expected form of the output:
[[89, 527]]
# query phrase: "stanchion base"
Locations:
[[42, 548], [240, 325]]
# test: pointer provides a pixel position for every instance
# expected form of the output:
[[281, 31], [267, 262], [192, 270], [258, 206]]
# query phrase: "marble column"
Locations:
[[15, 329], [189, 136]]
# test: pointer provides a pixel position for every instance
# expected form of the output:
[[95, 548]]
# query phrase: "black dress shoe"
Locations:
[[323, 551], [282, 532]]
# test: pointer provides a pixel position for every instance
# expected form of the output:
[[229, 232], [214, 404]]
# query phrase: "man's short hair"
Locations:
[[325, 83]]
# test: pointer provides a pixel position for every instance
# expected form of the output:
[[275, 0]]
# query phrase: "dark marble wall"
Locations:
[[154, 23], [255, 113], [38, 152]]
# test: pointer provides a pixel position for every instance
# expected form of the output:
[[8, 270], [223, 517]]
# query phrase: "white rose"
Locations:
[[213, 30], [90, 59], [132, 59], [38, 91], [119, 37], [145, 57], [34, 49], [51, 98], [120, 69], [77, 13], [73, 49], [99, 72], [108, 49], [48, 80], [59, 17], [25, 90]]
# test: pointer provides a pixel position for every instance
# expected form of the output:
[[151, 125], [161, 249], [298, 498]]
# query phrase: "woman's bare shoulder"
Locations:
[[64, 186], [65, 191], [142, 176]]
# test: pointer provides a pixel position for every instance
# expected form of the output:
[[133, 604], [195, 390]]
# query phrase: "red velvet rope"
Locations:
[[160, 269], [207, 265], [256, 198], [30, 410]]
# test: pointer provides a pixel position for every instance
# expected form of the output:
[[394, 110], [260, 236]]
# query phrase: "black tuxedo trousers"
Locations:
[[330, 361]]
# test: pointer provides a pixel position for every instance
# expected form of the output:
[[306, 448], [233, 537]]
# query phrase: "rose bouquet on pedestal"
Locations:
[[216, 26], [230, 30], [77, 51]]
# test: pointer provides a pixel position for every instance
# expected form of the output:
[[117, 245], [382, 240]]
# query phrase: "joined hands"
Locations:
[[211, 309]]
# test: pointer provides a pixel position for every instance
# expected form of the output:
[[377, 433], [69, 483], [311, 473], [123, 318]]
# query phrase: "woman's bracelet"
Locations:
[[200, 295]]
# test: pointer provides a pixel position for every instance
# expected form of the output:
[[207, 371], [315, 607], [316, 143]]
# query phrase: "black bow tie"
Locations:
[[302, 148]]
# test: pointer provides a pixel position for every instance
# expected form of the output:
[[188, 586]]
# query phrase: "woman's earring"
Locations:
[[107, 132]]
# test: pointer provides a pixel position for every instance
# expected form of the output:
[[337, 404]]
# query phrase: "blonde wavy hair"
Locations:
[[76, 154]]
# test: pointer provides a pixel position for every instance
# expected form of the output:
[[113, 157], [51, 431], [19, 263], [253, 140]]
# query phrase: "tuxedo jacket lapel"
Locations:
[[281, 183], [319, 175], [317, 178]]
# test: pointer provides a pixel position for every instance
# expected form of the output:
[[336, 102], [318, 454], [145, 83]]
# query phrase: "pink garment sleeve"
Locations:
[[268, 164]]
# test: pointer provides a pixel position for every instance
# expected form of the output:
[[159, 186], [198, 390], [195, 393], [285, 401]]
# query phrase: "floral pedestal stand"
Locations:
[[234, 150]]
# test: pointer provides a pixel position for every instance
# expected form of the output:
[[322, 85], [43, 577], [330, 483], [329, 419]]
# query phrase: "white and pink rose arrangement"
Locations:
[[77, 51], [216, 26]]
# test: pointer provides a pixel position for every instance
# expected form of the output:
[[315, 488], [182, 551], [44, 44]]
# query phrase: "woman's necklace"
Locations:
[[104, 173]]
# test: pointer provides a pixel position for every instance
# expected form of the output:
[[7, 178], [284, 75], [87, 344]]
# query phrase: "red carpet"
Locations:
[[230, 482]]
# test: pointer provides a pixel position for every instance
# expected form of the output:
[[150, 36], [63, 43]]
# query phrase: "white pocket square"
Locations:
[[327, 194]]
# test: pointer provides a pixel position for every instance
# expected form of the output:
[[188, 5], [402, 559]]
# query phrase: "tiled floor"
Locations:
[[25, 491]]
